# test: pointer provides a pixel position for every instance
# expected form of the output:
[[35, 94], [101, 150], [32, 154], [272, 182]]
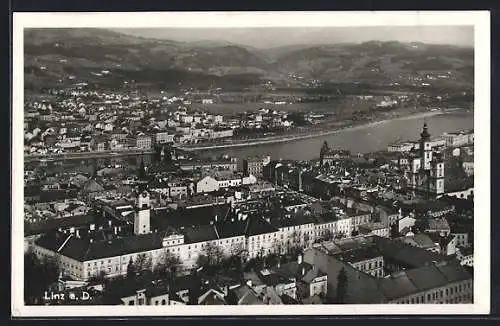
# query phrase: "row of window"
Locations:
[[141, 302], [370, 265], [420, 299]]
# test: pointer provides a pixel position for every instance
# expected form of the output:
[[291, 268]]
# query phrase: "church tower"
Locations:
[[436, 180], [425, 148], [142, 214]]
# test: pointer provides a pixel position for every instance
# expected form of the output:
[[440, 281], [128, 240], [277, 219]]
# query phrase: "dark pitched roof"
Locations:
[[405, 253], [229, 229], [81, 249], [256, 225], [397, 286], [54, 224], [199, 233], [359, 254], [183, 217], [426, 277]]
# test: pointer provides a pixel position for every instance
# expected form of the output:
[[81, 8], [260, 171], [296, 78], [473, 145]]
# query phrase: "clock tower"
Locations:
[[425, 148], [142, 214]]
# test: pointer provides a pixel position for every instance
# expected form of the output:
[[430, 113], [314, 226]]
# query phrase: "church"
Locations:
[[425, 173]]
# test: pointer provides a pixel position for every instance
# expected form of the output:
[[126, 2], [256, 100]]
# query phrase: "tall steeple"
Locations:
[[425, 135]]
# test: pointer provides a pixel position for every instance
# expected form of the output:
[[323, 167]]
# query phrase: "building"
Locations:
[[426, 279], [375, 228], [163, 137], [143, 142], [221, 133], [366, 259], [460, 138], [255, 165], [425, 176], [465, 256], [402, 147], [468, 165]]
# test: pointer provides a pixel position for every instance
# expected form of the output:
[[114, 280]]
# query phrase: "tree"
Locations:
[[202, 261], [306, 239], [143, 262], [39, 275], [167, 265], [214, 253], [131, 270], [342, 286], [271, 260], [236, 249]]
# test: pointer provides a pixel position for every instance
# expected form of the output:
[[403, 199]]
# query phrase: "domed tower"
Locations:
[[425, 148], [142, 214]]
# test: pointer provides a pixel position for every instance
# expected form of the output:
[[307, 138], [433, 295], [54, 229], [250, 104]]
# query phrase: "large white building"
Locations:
[[90, 251]]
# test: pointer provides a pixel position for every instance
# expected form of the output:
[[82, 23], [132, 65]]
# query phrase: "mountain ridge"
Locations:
[[83, 53]]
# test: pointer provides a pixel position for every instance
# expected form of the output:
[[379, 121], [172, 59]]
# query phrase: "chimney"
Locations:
[[299, 259], [116, 230], [72, 230], [92, 227], [91, 240], [249, 283], [78, 233], [109, 223], [303, 271]]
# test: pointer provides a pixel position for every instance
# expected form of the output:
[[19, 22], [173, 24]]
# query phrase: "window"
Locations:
[[131, 303], [163, 302], [428, 297]]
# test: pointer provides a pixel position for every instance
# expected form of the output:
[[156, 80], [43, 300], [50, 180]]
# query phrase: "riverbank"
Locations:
[[84, 155], [279, 139]]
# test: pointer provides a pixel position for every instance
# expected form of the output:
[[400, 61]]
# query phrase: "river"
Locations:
[[361, 139]]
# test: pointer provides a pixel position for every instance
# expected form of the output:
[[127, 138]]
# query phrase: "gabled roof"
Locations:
[[81, 249], [54, 224], [256, 225], [405, 253]]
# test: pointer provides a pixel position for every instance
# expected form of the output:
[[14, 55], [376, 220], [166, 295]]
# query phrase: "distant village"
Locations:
[[388, 227], [78, 120]]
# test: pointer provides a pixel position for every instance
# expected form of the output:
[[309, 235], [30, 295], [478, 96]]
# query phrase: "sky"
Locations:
[[281, 36]]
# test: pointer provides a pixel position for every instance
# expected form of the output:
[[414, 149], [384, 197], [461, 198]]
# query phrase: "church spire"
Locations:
[[425, 135]]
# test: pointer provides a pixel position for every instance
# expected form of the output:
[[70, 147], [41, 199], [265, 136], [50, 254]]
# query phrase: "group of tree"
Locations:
[[39, 275], [168, 265], [211, 255], [142, 263]]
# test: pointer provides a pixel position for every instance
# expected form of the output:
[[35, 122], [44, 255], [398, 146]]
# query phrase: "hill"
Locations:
[[106, 58]]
